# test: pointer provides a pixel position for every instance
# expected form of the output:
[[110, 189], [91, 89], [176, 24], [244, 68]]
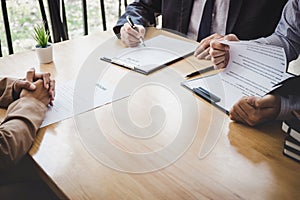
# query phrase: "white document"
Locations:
[[253, 69], [63, 107], [158, 51]]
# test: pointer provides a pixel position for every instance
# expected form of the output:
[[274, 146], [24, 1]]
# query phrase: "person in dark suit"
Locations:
[[247, 19], [285, 99]]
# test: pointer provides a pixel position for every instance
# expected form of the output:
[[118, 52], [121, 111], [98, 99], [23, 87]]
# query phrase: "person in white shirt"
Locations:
[[248, 19]]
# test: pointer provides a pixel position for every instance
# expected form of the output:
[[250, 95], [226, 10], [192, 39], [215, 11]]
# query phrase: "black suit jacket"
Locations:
[[248, 19], [290, 86]]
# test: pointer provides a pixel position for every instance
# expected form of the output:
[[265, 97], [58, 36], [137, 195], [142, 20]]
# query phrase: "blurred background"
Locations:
[[24, 14]]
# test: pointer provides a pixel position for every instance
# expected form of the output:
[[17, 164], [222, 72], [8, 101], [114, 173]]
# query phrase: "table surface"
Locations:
[[212, 157]]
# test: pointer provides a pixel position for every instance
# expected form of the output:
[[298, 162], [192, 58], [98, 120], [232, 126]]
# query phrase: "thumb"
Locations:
[[252, 100], [231, 37], [141, 30], [266, 101], [21, 84], [30, 74]]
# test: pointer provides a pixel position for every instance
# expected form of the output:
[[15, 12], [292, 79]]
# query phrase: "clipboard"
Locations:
[[158, 52], [253, 70], [210, 88]]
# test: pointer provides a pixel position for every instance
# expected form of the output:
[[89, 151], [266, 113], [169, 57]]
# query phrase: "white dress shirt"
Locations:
[[219, 17]]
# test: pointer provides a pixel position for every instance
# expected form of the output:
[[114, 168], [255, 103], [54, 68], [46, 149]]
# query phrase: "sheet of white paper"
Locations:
[[253, 69], [64, 99], [158, 51]]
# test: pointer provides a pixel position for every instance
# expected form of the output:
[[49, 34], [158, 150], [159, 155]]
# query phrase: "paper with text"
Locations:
[[253, 69], [63, 104], [159, 50]]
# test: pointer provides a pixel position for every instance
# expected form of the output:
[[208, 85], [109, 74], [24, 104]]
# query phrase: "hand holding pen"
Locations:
[[131, 34]]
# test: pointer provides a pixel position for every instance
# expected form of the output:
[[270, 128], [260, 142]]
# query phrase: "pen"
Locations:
[[201, 71], [129, 20]]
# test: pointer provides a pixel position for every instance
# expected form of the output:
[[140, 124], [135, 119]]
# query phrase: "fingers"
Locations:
[[131, 37], [252, 100], [231, 37], [46, 80], [202, 51], [141, 30], [255, 110], [30, 75], [21, 84], [246, 113], [241, 112], [52, 89], [267, 101], [269, 106], [38, 78], [44, 76], [52, 92], [219, 58], [219, 54]]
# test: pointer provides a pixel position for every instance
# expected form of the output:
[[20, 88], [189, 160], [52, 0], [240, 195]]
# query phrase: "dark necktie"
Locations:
[[205, 25]]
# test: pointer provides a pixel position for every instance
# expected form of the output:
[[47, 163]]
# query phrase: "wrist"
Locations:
[[34, 101]]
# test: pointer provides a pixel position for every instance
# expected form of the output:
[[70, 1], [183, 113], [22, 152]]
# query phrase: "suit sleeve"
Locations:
[[290, 97], [6, 91], [18, 129], [287, 33], [288, 105], [142, 12]]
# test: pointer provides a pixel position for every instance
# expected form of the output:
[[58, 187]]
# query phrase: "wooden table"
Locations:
[[244, 163]]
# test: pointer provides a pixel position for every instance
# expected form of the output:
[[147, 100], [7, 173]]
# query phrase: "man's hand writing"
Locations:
[[131, 37]]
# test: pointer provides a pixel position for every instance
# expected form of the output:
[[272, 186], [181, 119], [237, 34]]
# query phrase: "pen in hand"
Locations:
[[129, 20]]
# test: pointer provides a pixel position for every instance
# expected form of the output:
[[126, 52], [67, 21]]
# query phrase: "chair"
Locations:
[[58, 22], [0, 50], [84, 14], [43, 13], [59, 25], [125, 4], [7, 27], [103, 14]]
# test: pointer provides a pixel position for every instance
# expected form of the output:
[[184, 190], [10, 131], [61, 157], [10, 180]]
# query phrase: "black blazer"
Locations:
[[290, 86], [248, 19]]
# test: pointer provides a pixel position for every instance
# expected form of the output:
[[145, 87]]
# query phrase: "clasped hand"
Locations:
[[37, 85]]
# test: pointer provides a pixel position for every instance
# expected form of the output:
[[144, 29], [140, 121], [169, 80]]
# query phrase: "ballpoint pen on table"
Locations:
[[129, 20], [201, 71]]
